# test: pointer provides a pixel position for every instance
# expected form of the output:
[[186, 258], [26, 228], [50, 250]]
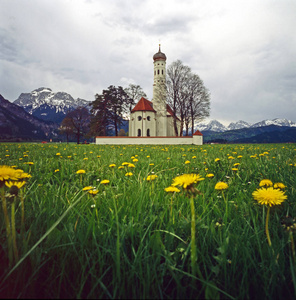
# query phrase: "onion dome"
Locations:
[[159, 55]]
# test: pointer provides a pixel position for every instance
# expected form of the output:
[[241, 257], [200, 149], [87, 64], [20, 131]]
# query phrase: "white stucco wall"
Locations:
[[143, 124], [186, 140]]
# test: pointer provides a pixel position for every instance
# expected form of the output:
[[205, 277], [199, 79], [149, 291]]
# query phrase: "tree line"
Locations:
[[184, 92]]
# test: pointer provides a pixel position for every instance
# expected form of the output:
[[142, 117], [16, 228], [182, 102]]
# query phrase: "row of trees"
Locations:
[[104, 115], [184, 91]]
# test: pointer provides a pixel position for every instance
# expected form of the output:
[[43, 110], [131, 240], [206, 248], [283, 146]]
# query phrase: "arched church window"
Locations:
[[148, 132], [158, 72], [139, 132], [162, 72], [139, 118], [148, 118]]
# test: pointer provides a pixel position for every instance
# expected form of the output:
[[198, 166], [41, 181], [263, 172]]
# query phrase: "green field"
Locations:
[[128, 238]]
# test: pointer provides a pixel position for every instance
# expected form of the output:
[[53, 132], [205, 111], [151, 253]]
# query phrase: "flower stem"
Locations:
[[13, 231], [193, 246], [23, 218], [8, 228], [226, 207], [292, 245], [266, 226]]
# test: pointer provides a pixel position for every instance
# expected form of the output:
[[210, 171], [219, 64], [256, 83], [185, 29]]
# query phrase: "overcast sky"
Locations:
[[244, 51]]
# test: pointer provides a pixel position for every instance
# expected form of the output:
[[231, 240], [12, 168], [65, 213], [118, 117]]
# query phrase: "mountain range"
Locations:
[[38, 114], [44, 104], [267, 131], [17, 124], [216, 126]]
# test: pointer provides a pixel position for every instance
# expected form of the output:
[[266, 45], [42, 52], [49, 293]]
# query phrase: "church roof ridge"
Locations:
[[143, 105]]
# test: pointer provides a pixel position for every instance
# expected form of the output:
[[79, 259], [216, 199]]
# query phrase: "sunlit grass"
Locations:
[[132, 238]]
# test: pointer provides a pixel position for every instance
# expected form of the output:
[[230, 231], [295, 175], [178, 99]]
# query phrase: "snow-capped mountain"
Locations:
[[211, 125], [238, 125], [277, 122], [216, 126], [47, 105]]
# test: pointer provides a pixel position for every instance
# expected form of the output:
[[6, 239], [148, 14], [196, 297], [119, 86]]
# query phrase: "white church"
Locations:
[[154, 118], [152, 122]]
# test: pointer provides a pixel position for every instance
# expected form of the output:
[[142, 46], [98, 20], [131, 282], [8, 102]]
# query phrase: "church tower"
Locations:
[[159, 92], [154, 118]]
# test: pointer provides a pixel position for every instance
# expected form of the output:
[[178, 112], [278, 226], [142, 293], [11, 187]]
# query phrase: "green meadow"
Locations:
[[96, 222]]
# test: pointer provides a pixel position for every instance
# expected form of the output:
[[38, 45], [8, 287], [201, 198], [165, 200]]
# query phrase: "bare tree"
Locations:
[[177, 76], [78, 121], [187, 96], [135, 92], [197, 102], [66, 128]]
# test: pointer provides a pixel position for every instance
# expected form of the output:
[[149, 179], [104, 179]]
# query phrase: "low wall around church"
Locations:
[[159, 140]]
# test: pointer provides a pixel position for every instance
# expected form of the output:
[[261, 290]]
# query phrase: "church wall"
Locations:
[[120, 140], [143, 121]]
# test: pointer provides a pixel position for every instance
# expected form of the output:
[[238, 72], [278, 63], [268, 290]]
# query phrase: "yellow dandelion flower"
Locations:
[[279, 185], [186, 180], [187, 162], [128, 174], [57, 170], [221, 186], [112, 166], [172, 189], [210, 175], [22, 175], [87, 188], [217, 159], [93, 192], [131, 166], [80, 172], [269, 196], [151, 177], [8, 173], [105, 181], [120, 167], [266, 183], [18, 184], [135, 160]]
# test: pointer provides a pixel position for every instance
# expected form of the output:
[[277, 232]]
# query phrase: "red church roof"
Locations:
[[146, 105], [143, 105], [197, 132]]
